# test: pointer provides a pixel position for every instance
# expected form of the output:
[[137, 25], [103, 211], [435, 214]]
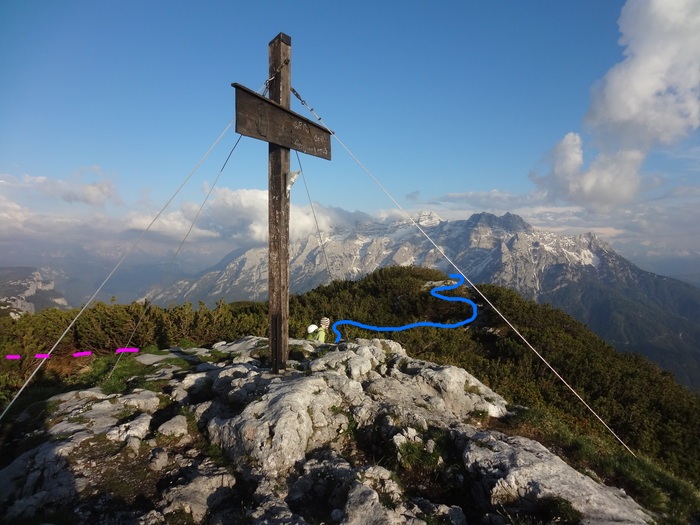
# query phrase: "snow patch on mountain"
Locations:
[[27, 290], [502, 250]]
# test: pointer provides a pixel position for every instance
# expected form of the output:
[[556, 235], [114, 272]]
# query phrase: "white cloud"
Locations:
[[339, 218], [239, 219], [611, 179], [174, 225], [567, 160], [12, 216], [650, 99], [25, 225], [653, 95], [95, 193], [239, 215], [232, 219], [243, 215], [459, 206]]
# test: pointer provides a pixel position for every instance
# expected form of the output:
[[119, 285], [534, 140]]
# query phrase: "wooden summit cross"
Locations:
[[271, 120]]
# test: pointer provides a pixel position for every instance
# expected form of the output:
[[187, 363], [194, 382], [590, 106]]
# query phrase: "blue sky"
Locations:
[[579, 116]]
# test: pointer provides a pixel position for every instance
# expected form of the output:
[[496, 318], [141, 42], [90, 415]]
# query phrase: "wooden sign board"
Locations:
[[261, 118]]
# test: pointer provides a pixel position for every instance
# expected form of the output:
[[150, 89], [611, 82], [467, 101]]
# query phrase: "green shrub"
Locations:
[[658, 418]]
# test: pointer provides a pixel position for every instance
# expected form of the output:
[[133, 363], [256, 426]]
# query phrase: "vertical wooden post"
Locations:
[[280, 51], [271, 120]]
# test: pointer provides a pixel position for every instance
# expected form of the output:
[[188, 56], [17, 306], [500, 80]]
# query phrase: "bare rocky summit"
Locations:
[[358, 433]]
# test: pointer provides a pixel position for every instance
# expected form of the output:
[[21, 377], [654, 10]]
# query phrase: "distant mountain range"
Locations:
[[632, 309], [24, 289]]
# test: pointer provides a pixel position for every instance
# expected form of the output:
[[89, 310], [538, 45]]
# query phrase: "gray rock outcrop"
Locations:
[[359, 433]]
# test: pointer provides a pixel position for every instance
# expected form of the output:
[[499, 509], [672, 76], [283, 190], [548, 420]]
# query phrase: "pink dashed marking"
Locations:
[[76, 354], [121, 350]]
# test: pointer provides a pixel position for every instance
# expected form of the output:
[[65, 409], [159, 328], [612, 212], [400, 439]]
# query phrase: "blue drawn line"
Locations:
[[435, 293]]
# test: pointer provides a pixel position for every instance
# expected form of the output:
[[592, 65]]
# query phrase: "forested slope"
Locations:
[[658, 418]]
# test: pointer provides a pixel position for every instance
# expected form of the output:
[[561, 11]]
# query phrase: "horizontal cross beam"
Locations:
[[264, 119]]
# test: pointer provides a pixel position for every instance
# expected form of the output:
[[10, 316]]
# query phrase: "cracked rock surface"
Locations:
[[358, 433]]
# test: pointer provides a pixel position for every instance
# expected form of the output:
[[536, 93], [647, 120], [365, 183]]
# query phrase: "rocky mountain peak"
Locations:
[[507, 223], [580, 274], [428, 218], [423, 218]]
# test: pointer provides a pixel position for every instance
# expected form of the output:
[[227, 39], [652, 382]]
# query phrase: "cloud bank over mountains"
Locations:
[[239, 219], [231, 219], [650, 99], [77, 189]]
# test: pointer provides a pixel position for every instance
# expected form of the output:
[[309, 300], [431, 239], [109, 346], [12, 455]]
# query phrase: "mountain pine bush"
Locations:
[[658, 418]]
